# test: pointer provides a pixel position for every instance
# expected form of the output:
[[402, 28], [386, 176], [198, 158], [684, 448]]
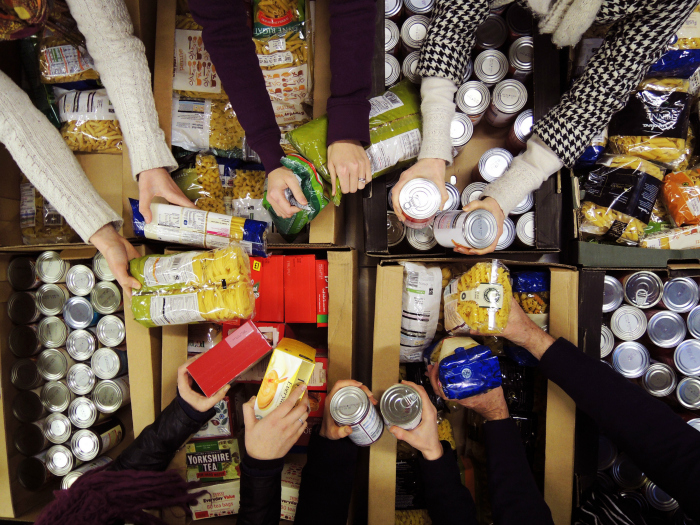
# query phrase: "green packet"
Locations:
[[394, 130], [214, 460]]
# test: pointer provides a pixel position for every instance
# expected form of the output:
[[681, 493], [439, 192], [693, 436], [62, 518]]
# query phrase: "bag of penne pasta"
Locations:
[[683, 56], [88, 121], [271, 17], [198, 178], [40, 223]]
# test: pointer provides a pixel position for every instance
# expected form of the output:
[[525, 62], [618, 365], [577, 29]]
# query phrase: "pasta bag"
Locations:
[[466, 372], [40, 223], [271, 17], [531, 292], [202, 184], [683, 57], [88, 122], [660, 220], [681, 194], [63, 56], [244, 189]]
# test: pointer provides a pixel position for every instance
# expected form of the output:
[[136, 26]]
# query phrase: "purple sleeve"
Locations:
[[229, 43]]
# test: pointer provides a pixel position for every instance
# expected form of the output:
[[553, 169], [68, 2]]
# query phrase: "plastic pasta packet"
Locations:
[[681, 194], [685, 238], [654, 124], [271, 17], [202, 184], [479, 299], [420, 309], [659, 220], [61, 58], [40, 223], [594, 150], [466, 372], [531, 292], [688, 36], [445, 432], [412, 517], [89, 123], [244, 189], [605, 215], [203, 337]]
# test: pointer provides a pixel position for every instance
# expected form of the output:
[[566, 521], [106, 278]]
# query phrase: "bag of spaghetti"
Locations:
[[63, 57], [681, 194], [207, 125], [199, 180], [271, 17], [199, 228], [88, 121], [39, 222], [244, 189], [479, 300], [654, 123], [620, 197]]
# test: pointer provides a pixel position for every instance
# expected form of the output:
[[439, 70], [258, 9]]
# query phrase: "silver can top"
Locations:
[[480, 229], [56, 396], [628, 323], [395, 230], [349, 405], [106, 298], [473, 98], [80, 280], [21, 274], [107, 396], [524, 205], [693, 322], [521, 53], [70, 478], [419, 7], [688, 392], [85, 445], [523, 125], [57, 428], [695, 423], [24, 375], [461, 130], [50, 299], [666, 329], [421, 239], [409, 68], [106, 363], [643, 289], [401, 405], [494, 163], [81, 344], [509, 96], [468, 71], [101, 268], [52, 332], [59, 460], [491, 67], [630, 359], [607, 341], [525, 228], [22, 308], [681, 294], [111, 331], [607, 453], [472, 192], [613, 294], [392, 7], [391, 35], [492, 33], [687, 357], [414, 31], [508, 235], [50, 268], [658, 499], [659, 380], [392, 70], [453, 198], [420, 199], [82, 412], [626, 474], [78, 313], [81, 379], [53, 364]]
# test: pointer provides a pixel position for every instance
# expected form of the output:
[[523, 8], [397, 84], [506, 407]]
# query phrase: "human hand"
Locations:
[[491, 205], [425, 436], [277, 181], [348, 161], [329, 428], [431, 169], [117, 251], [158, 183], [197, 401], [273, 436]]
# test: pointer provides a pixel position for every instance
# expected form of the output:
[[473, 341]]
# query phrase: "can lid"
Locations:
[[420, 198], [81, 379], [55, 396], [82, 412], [630, 359], [607, 341], [525, 228], [643, 289], [472, 192], [509, 96], [508, 235], [695, 423], [52, 332], [21, 273], [658, 499], [78, 312], [409, 68], [395, 230], [60, 458], [58, 428], [401, 404], [519, 19], [31, 473], [392, 70], [27, 406], [461, 130], [106, 297], [80, 280], [85, 445], [50, 299], [29, 439], [666, 329], [628, 323], [111, 331], [52, 364], [81, 344], [453, 198], [69, 479], [492, 33], [659, 380], [391, 35], [101, 268], [414, 30], [494, 163], [107, 397], [392, 7], [473, 98], [681, 294], [524, 205], [348, 406], [687, 357], [105, 363], [613, 294], [491, 66], [23, 341], [22, 308], [634, 497], [480, 229], [25, 375], [50, 268], [468, 71], [607, 453], [626, 474], [419, 6], [688, 392], [421, 239], [523, 125], [521, 53]]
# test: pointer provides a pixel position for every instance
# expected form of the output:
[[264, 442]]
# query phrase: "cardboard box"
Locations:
[[291, 480], [222, 499], [317, 402], [218, 426], [268, 286], [300, 288], [213, 460], [321, 293], [319, 377]]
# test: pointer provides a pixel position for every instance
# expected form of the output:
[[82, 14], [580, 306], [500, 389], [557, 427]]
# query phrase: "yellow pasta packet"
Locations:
[[40, 223], [89, 123], [63, 56]]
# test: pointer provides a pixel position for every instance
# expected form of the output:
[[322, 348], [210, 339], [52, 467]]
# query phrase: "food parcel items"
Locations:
[[422, 288], [467, 370], [222, 499], [194, 74], [214, 460], [268, 287], [199, 228], [292, 364], [683, 57], [271, 17], [88, 121], [684, 238], [531, 292], [394, 127], [244, 189], [291, 481], [63, 56], [39, 222], [620, 197], [201, 183], [681, 195], [300, 297], [202, 337]]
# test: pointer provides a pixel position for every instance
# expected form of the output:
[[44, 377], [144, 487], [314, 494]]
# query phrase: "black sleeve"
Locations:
[[515, 498], [326, 482], [658, 441], [449, 501], [261, 492]]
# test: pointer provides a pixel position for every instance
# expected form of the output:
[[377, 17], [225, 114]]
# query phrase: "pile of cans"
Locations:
[[71, 372]]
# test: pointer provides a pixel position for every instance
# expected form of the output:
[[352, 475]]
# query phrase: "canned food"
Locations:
[[72, 477], [695, 423], [53, 363], [414, 31], [51, 269], [83, 413], [680, 294], [110, 395], [60, 461], [659, 380], [492, 33], [23, 340], [32, 473], [401, 406], [350, 406], [21, 274], [687, 358], [420, 200], [409, 68], [108, 363], [665, 329], [56, 396], [472, 192], [81, 344], [22, 308], [520, 132], [688, 393], [468, 71], [50, 298], [391, 37], [461, 131], [79, 314], [693, 322], [81, 379], [29, 438], [491, 67], [631, 359], [613, 294], [626, 474], [520, 59], [492, 164], [418, 7], [607, 341], [658, 499], [422, 240], [519, 21], [101, 268], [473, 99], [605, 482], [24, 375], [508, 236], [390, 179], [392, 71], [628, 323], [111, 331], [80, 280], [643, 289], [27, 406], [524, 205], [89, 443], [477, 229], [525, 229], [507, 99], [607, 453], [52, 332], [395, 231], [57, 428], [634, 497], [453, 198], [106, 298]]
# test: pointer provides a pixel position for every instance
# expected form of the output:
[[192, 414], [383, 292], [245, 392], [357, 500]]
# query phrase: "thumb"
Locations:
[[473, 205], [221, 393], [346, 431], [398, 432], [179, 198], [145, 208], [249, 414], [293, 184]]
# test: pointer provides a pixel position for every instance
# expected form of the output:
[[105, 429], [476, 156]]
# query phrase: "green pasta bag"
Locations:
[[271, 17], [312, 186], [394, 131]]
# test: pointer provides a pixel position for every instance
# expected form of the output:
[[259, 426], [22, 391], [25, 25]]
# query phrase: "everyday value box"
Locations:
[[222, 499]]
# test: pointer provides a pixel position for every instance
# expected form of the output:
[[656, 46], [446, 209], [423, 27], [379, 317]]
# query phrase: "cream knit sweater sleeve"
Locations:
[[52, 168], [121, 61], [437, 110]]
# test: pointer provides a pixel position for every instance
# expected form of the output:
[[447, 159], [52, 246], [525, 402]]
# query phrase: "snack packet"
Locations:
[[39, 222], [89, 123], [681, 195]]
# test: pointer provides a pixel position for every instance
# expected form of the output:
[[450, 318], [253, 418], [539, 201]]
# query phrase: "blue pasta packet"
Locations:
[[469, 372], [530, 282], [676, 63], [589, 156], [138, 222], [520, 355]]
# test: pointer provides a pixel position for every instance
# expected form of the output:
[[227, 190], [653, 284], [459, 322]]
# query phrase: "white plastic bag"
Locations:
[[422, 290]]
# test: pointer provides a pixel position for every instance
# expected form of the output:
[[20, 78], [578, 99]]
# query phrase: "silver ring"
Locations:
[[361, 180], [300, 420]]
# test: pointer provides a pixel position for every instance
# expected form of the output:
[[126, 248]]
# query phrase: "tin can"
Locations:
[[607, 453], [693, 322], [350, 406], [525, 229], [628, 323], [418, 7], [658, 499], [519, 21], [22, 308], [390, 179], [32, 473], [392, 37], [51, 269], [680, 294], [665, 329], [83, 413], [111, 331], [492, 165], [508, 236], [491, 67], [80, 280], [413, 32], [695, 423], [395, 231], [520, 132], [409, 68], [29, 438], [72, 477], [605, 482], [89, 443], [60, 461], [468, 71], [56, 396], [520, 59], [392, 71], [626, 474], [108, 363], [635, 498], [687, 358], [492, 33], [524, 205], [607, 341], [21, 274], [101, 268], [688, 393], [23, 340], [631, 359], [659, 380], [27, 406], [420, 200], [461, 131], [79, 314], [110, 395], [453, 198], [477, 229], [473, 99], [52, 332], [81, 344], [50, 298], [393, 9], [24, 375], [81, 379], [106, 298], [401, 406], [643, 289], [613, 294], [53, 363], [57, 428], [472, 192], [422, 240], [507, 99]]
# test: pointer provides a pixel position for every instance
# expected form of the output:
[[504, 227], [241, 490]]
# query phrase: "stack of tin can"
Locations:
[[71, 371]]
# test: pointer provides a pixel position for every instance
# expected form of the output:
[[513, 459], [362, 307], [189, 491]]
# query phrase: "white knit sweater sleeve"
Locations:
[[437, 112], [121, 61], [42, 155]]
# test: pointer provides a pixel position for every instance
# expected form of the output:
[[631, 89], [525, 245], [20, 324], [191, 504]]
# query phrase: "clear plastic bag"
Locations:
[[421, 309], [40, 223], [203, 337], [88, 122], [202, 184], [61, 58], [271, 17]]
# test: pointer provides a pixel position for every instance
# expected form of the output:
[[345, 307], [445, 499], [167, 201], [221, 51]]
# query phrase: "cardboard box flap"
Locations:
[[78, 252], [474, 260]]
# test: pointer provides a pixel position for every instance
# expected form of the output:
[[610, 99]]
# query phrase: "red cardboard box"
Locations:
[[300, 288], [321, 293], [268, 286], [319, 379], [317, 400], [232, 356]]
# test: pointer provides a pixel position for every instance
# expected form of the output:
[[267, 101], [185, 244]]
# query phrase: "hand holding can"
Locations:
[[425, 436], [330, 429]]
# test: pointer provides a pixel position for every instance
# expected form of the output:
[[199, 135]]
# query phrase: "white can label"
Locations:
[[369, 429], [111, 438], [448, 229]]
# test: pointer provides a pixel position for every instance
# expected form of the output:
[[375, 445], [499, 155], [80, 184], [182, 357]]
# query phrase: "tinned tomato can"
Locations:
[[418, 7], [492, 165], [519, 22], [410, 66], [520, 132], [392, 37], [351, 407], [453, 197], [80, 280], [473, 99], [492, 33], [21, 274], [420, 200], [393, 9], [422, 240], [461, 131], [643, 289], [401, 406], [472, 192], [395, 230], [508, 98], [413, 32], [525, 229], [392, 70]]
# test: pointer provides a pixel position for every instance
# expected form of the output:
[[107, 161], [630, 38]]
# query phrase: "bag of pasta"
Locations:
[[39, 222], [88, 122], [63, 56], [271, 17], [531, 292], [479, 299], [659, 220], [654, 123], [620, 196], [683, 56], [201, 183], [244, 189], [681, 194]]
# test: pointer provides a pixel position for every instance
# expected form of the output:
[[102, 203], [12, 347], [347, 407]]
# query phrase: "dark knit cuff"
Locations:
[[434, 469], [262, 467], [193, 413], [269, 150], [555, 358], [348, 121]]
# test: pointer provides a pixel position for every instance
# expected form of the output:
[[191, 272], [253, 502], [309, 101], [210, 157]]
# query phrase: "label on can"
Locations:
[[369, 429], [449, 229], [111, 438]]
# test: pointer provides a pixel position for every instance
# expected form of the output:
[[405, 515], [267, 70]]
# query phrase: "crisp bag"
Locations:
[[681, 195], [469, 372]]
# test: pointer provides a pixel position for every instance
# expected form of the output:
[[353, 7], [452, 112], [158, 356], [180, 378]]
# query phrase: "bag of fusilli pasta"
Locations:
[[200, 181], [244, 190], [271, 17], [63, 56], [88, 121]]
